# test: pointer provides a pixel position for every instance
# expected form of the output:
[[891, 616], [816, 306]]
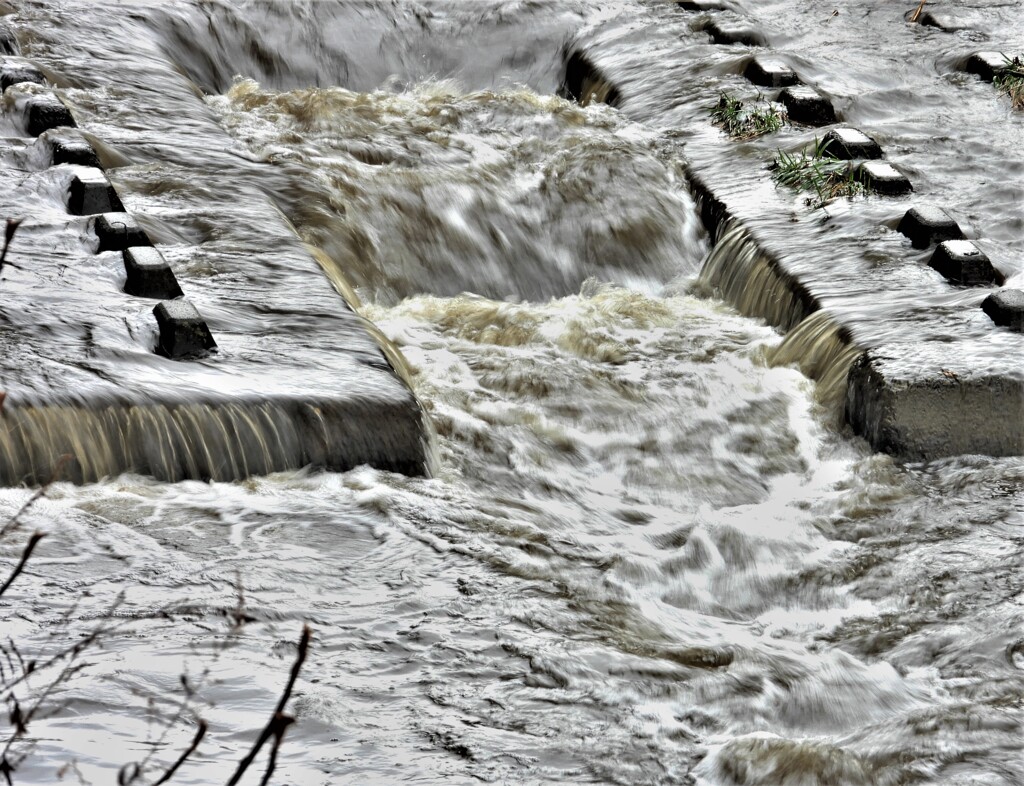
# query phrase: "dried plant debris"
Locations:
[[743, 121], [1010, 81]]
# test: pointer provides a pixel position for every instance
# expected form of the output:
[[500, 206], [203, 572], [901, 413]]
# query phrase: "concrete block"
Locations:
[[849, 143], [918, 411], [945, 22], [926, 225], [12, 73], [72, 150], [883, 178], [149, 275], [962, 262], [183, 332], [118, 231], [90, 192], [723, 32], [46, 111], [987, 65], [770, 72], [701, 5], [1006, 309], [806, 105]]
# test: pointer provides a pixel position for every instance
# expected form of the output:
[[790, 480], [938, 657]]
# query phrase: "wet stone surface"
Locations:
[[44, 112], [850, 143], [962, 262], [149, 275], [183, 332], [927, 224], [987, 65], [884, 178], [1006, 308], [734, 32], [90, 192], [72, 150], [770, 72], [118, 231], [13, 73], [806, 105]]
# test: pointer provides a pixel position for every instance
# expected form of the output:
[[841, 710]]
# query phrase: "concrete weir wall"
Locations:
[[147, 327], [929, 377]]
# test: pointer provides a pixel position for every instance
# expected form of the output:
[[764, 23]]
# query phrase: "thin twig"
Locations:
[[278, 721], [12, 227], [281, 722], [200, 733], [25, 555], [917, 13]]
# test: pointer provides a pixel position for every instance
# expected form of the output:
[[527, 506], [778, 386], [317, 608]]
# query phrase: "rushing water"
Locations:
[[646, 555]]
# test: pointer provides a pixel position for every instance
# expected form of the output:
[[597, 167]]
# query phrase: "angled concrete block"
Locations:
[[920, 411], [849, 143], [46, 111], [90, 192], [724, 32], [72, 150], [12, 73], [962, 262], [701, 5], [925, 225], [883, 178], [770, 72], [118, 231], [149, 275], [806, 105], [987, 65], [945, 22], [183, 332], [1006, 309]]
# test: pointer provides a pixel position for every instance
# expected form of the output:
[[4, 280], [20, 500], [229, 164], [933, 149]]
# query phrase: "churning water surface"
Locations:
[[646, 554]]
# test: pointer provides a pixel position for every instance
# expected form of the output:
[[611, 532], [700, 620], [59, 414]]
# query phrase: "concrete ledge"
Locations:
[[925, 225], [917, 415], [90, 192], [770, 72], [848, 144], [1006, 309], [118, 231], [43, 112], [806, 105], [149, 275], [183, 332], [13, 73], [212, 439], [883, 178], [962, 262]]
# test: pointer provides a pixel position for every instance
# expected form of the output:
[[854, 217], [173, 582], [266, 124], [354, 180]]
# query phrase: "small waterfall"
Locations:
[[740, 272], [224, 441], [585, 84]]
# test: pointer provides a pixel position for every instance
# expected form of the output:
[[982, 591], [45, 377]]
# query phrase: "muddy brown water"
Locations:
[[647, 554]]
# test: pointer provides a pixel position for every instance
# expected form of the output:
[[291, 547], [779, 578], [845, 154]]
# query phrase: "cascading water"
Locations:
[[646, 553]]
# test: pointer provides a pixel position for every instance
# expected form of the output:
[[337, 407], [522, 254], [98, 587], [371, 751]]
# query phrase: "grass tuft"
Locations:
[[744, 122], [827, 177], [1010, 81]]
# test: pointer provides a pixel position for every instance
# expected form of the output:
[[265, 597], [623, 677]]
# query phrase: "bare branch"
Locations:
[[200, 733], [278, 721], [25, 555]]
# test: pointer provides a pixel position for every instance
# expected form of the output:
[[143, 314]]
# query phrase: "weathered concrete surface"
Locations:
[[962, 262], [770, 72], [902, 409], [884, 178], [183, 331], [927, 224], [118, 231], [806, 105], [734, 31], [848, 144], [1006, 308]]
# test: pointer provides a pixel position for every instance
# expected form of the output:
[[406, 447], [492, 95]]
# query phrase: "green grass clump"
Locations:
[[742, 122], [827, 177], [1010, 81]]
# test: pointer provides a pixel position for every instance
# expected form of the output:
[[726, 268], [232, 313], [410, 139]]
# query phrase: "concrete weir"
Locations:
[[93, 383], [934, 377]]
